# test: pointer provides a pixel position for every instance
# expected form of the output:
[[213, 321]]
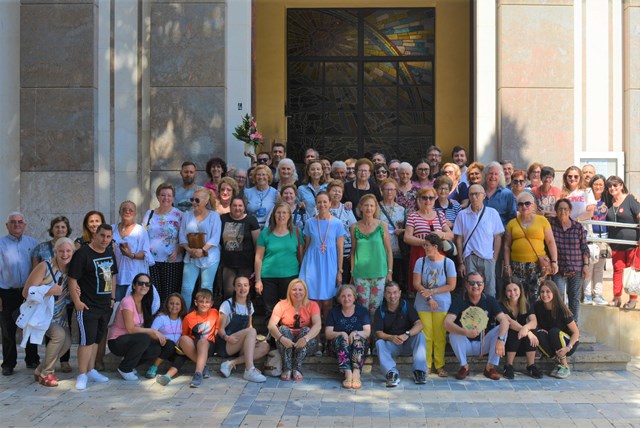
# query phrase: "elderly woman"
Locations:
[[406, 190], [459, 189], [395, 216], [262, 198], [335, 189], [200, 237], [227, 189], [521, 338], [133, 254], [421, 223], [216, 169], [90, 224], [240, 175], [49, 277], [622, 208], [498, 197], [533, 174], [423, 174], [163, 227], [583, 204], [59, 228], [524, 242], [573, 254], [339, 170], [474, 173], [518, 182], [448, 206], [361, 186], [286, 174], [299, 215], [348, 326], [295, 324], [314, 183], [238, 239]]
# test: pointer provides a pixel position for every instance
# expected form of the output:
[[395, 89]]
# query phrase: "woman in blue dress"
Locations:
[[322, 264]]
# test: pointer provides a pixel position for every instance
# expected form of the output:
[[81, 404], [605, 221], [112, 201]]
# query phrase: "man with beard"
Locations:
[[434, 157], [459, 156], [185, 192]]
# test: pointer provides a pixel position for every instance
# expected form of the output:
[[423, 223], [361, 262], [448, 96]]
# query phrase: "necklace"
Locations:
[[175, 327], [323, 242]]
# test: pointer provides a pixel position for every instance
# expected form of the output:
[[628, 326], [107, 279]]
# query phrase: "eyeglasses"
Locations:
[[393, 169], [427, 198], [296, 321], [563, 209], [475, 283], [443, 189], [363, 171], [350, 169], [238, 178], [423, 170], [476, 194], [518, 181], [144, 283], [381, 171], [263, 160], [14, 222], [526, 204], [389, 189], [196, 200]]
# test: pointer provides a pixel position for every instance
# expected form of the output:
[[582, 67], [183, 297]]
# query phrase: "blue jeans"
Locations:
[[190, 276], [415, 346], [572, 287]]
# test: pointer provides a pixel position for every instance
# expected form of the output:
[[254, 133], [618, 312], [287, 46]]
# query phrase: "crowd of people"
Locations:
[[344, 258]]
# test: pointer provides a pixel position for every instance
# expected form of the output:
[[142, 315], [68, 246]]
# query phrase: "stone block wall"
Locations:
[[631, 42]]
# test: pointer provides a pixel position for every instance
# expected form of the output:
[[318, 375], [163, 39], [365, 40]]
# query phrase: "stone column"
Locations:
[[631, 28], [486, 132], [57, 111]]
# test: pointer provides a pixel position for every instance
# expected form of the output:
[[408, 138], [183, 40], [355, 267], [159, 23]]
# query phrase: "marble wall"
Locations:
[[631, 42]]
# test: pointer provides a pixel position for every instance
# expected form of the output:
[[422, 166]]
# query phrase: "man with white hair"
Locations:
[[339, 170], [15, 266]]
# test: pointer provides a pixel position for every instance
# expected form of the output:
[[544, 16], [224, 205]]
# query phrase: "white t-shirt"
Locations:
[[225, 308], [172, 329], [580, 200]]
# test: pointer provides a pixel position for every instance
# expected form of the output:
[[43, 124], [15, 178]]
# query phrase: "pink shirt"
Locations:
[[118, 328]]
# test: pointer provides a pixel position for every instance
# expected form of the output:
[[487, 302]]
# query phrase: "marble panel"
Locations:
[[631, 3], [186, 124], [632, 133], [187, 44], [58, 45], [57, 129], [45, 195], [537, 125], [632, 48], [535, 46]]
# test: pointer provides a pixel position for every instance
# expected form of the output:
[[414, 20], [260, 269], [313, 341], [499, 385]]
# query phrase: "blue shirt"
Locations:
[[15, 260], [504, 202]]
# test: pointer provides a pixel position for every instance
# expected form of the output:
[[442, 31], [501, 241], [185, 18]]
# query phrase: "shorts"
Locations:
[[212, 347], [221, 350], [93, 325]]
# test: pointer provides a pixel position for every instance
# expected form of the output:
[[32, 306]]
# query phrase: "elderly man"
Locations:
[[15, 266], [394, 169], [185, 192], [478, 235], [477, 339], [399, 332], [339, 170]]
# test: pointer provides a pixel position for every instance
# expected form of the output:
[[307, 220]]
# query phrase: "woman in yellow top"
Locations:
[[524, 241]]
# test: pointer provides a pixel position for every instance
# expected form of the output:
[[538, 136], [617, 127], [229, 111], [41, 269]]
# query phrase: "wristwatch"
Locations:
[[408, 333], [502, 338]]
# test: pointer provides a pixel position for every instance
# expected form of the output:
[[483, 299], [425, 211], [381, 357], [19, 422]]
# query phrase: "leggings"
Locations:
[[552, 340]]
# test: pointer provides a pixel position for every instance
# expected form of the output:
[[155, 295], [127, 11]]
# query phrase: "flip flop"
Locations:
[[297, 376], [285, 376]]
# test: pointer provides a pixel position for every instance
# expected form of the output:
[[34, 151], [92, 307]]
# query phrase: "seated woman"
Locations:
[[295, 324], [348, 326], [522, 324], [237, 335], [557, 332], [131, 335], [169, 323]]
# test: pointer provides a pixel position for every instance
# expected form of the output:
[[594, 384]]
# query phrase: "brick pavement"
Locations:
[[584, 400]]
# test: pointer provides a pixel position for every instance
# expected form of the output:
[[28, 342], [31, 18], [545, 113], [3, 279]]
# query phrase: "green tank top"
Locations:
[[371, 257]]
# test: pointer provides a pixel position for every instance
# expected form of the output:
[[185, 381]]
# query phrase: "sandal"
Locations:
[[356, 384], [286, 376], [49, 380], [297, 376], [347, 383], [441, 372], [615, 302], [631, 304]]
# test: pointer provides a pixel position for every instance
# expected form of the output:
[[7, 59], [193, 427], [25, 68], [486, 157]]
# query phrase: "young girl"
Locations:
[[237, 335], [169, 323], [557, 332]]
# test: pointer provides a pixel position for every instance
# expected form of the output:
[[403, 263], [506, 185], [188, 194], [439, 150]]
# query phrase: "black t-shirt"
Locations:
[[95, 273], [353, 195], [627, 212], [521, 318], [489, 304], [397, 322], [236, 242], [547, 322]]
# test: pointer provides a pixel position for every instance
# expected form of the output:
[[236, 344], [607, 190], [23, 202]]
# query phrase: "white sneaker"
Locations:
[[253, 375], [128, 376], [225, 368], [96, 376], [81, 382]]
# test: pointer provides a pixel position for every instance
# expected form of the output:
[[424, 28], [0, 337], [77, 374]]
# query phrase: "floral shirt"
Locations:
[[163, 232]]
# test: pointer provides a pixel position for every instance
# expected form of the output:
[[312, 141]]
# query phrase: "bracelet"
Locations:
[[113, 299], [279, 338], [570, 346]]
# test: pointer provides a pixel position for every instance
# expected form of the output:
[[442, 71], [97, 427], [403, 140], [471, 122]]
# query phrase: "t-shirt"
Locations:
[[119, 328], [396, 322], [280, 254], [521, 250], [353, 195], [236, 241], [183, 196], [260, 202], [627, 212], [546, 203], [433, 276], [287, 314], [521, 318], [355, 322], [423, 227], [197, 326], [240, 309], [95, 273], [580, 200], [547, 322], [172, 329], [489, 304]]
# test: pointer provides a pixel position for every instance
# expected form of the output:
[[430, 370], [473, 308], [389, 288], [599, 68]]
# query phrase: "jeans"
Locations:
[[571, 286], [415, 346], [190, 275]]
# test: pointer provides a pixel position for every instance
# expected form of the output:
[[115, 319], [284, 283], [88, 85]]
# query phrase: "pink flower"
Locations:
[[256, 136]]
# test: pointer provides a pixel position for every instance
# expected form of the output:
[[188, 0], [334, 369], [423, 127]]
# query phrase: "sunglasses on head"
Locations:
[[526, 204], [196, 200]]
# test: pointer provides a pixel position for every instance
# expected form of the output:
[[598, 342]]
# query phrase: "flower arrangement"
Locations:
[[247, 132]]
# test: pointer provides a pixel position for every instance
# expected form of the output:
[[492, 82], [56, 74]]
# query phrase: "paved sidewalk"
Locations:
[[584, 400]]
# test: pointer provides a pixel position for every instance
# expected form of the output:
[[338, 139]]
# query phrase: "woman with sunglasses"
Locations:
[[295, 325], [459, 191], [380, 173], [421, 223], [518, 182], [583, 204], [622, 208], [524, 241], [573, 254], [202, 255], [131, 336]]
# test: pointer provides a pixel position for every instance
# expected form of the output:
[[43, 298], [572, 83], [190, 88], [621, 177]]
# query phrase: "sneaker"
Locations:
[[253, 375], [151, 373], [534, 372], [205, 373], [392, 379], [419, 377], [600, 301], [554, 372], [131, 376], [226, 368], [96, 376], [163, 379], [81, 382], [588, 300], [196, 381], [508, 371], [563, 372]]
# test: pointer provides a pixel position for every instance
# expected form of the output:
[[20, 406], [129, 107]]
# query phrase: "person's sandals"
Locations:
[[297, 376], [356, 384], [49, 380], [441, 372], [631, 304], [286, 376], [348, 381]]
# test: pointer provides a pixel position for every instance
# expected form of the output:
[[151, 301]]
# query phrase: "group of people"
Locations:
[[368, 234]]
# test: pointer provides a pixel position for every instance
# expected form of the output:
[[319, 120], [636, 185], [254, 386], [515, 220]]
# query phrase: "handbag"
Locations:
[[544, 262], [273, 365], [605, 250], [631, 278], [196, 240], [594, 252]]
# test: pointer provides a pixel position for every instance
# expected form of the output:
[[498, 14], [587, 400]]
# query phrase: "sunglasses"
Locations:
[[427, 198], [573, 177], [518, 181], [144, 283], [381, 171], [196, 200], [475, 283], [263, 160], [296, 321], [526, 204]]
